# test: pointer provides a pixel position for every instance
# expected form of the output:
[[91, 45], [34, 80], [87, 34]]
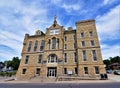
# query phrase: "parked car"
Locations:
[[109, 71], [117, 72]]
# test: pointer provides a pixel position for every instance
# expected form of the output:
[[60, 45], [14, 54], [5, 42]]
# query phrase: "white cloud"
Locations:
[[69, 8], [56, 1], [105, 2], [110, 51], [14, 27], [7, 55], [108, 25]]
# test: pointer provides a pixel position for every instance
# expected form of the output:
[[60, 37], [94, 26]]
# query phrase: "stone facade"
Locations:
[[43, 54]]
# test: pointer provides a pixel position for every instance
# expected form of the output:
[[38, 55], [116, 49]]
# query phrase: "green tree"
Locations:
[[106, 62], [15, 63], [115, 59]]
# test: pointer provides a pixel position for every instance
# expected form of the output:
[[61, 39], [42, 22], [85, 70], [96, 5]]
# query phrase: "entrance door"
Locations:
[[51, 72]]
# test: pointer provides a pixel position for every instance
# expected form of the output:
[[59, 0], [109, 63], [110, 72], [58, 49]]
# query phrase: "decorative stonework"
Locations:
[[54, 45]]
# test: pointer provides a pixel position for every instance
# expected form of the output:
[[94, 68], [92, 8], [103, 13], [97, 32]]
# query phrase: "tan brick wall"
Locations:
[[83, 26]]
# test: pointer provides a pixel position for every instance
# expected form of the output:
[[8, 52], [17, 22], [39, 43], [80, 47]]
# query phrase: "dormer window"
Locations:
[[38, 32]]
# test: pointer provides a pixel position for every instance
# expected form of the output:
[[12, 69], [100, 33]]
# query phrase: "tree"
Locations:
[[111, 60], [14, 63], [115, 59], [106, 62]]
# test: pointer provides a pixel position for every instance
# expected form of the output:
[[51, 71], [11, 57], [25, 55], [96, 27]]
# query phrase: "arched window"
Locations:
[[35, 46], [53, 43], [29, 46], [52, 58]]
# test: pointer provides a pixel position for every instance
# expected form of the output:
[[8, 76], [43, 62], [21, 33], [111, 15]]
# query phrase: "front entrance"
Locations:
[[51, 71]]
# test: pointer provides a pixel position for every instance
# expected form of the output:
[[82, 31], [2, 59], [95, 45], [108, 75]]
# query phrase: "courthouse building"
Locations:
[[62, 52]]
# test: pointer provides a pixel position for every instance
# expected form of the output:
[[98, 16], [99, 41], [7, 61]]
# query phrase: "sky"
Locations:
[[18, 17]]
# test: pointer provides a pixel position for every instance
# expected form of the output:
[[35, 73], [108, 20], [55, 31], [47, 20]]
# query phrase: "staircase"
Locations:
[[39, 79]]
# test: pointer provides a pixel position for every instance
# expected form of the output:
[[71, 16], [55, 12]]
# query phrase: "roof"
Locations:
[[69, 32], [85, 21]]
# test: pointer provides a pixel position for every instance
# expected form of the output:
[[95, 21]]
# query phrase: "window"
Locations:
[[42, 45], [76, 70], [52, 58], [26, 59], [65, 38], [74, 37], [38, 71], [82, 35], [39, 58], [94, 55], [49, 44], [29, 46], [54, 43], [86, 70], [84, 55], [83, 43], [55, 31], [35, 46], [97, 70], [90, 33], [65, 70], [65, 46], [58, 43], [92, 42], [74, 46], [65, 57], [75, 57], [23, 71]]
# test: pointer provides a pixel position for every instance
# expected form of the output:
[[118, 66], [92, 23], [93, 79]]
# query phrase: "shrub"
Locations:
[[8, 74]]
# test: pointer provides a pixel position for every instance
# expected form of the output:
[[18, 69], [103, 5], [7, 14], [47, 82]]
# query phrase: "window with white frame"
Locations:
[[65, 70], [42, 45], [52, 59], [92, 43], [35, 46], [97, 70], [94, 55], [76, 70], [85, 70], [39, 58], [90, 33], [83, 43], [84, 55], [65, 57], [53, 43], [49, 42], [24, 71], [65, 46], [29, 46], [65, 38], [75, 57], [26, 59], [82, 35], [38, 71]]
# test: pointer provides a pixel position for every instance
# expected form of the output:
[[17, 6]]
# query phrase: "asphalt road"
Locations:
[[60, 85]]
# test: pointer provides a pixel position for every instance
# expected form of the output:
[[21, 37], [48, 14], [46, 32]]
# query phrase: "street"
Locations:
[[60, 85]]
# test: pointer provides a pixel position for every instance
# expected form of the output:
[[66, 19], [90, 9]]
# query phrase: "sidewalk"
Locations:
[[111, 78]]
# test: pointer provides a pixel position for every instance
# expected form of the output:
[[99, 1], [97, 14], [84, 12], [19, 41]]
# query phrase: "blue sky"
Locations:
[[18, 17]]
